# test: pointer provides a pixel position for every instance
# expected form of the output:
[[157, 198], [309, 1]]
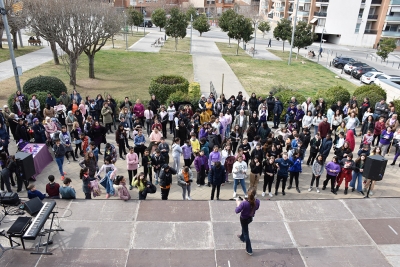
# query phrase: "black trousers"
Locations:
[[316, 179], [268, 180], [150, 172], [5, 180], [278, 180], [213, 191], [72, 154], [88, 196], [311, 158], [187, 162], [164, 193], [294, 175], [121, 147], [131, 173], [333, 180]]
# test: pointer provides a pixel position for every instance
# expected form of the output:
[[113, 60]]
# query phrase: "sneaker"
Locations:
[[107, 196], [189, 198], [198, 185], [317, 190], [371, 193], [263, 194], [283, 193], [138, 165], [62, 178], [234, 194], [156, 182], [298, 190], [68, 162], [130, 187], [65, 173], [310, 189], [270, 194], [290, 186], [121, 158], [249, 253]]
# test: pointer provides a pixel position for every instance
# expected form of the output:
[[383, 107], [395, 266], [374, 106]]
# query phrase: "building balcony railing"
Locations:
[[376, 2], [372, 16], [392, 18], [290, 9], [322, 1], [320, 14], [303, 13], [228, 1], [391, 33], [370, 32], [305, 1], [280, 9], [395, 2]]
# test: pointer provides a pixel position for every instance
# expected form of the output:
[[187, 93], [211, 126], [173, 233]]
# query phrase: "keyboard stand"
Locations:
[[12, 242], [49, 242]]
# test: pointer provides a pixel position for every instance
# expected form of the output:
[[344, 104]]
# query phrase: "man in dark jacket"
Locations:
[[253, 103], [51, 100], [216, 178], [271, 104], [277, 111], [166, 180], [326, 147], [157, 160]]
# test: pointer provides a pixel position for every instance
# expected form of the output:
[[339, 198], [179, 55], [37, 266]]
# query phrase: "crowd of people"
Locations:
[[223, 139]]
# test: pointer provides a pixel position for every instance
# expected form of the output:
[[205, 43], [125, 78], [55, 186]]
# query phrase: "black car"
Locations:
[[147, 23], [339, 62], [353, 65], [358, 72]]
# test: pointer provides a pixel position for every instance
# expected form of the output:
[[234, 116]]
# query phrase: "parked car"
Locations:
[[356, 73], [392, 78], [147, 23], [370, 77], [352, 65], [339, 62]]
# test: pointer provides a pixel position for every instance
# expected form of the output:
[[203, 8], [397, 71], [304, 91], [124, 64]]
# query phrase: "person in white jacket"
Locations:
[[176, 153], [239, 174]]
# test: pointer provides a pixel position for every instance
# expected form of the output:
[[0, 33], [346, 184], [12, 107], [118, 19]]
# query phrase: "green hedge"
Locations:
[[396, 103], [163, 86], [370, 88], [41, 96], [334, 94], [46, 84]]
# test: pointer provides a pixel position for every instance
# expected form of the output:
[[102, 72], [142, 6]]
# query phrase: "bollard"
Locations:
[[336, 54], [393, 64], [330, 63], [367, 56]]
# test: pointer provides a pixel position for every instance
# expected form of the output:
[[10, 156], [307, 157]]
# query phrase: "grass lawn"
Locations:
[[118, 72], [5, 52], [259, 76]]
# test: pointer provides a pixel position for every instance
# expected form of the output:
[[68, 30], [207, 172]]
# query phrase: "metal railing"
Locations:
[[373, 17], [323, 1], [388, 63], [370, 32], [378, 2], [392, 18], [391, 33], [320, 14], [212, 90]]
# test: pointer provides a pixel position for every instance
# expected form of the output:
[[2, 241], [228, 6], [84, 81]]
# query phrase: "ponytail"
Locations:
[[251, 198]]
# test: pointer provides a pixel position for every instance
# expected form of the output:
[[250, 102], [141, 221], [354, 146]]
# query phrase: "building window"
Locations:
[[360, 13], [357, 28], [321, 22]]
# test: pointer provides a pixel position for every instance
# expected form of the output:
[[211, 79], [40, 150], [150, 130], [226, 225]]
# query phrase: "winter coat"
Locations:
[[181, 179], [217, 175], [284, 166], [132, 161], [176, 150], [186, 151], [138, 109], [296, 167], [166, 177], [326, 147], [107, 115], [201, 161], [278, 107], [317, 168]]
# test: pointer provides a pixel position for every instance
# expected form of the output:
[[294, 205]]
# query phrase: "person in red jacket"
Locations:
[[379, 127], [350, 139], [347, 165], [323, 128]]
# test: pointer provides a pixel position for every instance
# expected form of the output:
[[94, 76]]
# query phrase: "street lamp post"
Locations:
[[3, 12], [320, 43], [191, 31], [126, 33], [255, 36], [293, 30]]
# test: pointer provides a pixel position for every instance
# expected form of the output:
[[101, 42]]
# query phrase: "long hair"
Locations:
[[82, 172], [251, 193]]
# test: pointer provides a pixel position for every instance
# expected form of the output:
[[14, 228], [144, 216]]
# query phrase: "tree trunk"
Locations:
[[298, 50], [237, 48], [91, 66], [160, 28], [1, 37], [137, 28], [112, 40], [176, 44], [73, 65], [283, 45], [200, 34], [15, 42], [132, 30], [229, 41], [55, 54]]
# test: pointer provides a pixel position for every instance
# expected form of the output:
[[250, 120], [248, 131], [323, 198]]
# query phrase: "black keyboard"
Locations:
[[40, 219]]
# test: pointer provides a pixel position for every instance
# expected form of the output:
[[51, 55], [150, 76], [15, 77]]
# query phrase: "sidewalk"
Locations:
[[145, 43]]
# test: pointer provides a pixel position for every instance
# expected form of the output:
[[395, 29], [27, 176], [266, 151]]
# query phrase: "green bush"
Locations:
[[285, 95], [46, 84], [163, 86], [369, 88], [334, 94], [10, 101], [178, 97], [194, 91], [372, 96], [396, 103], [41, 96]]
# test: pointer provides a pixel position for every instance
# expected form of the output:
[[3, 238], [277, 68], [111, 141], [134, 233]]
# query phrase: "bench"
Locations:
[[252, 50], [34, 42], [158, 42]]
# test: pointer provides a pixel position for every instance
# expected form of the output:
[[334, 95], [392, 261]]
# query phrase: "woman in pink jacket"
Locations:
[[132, 164], [138, 110]]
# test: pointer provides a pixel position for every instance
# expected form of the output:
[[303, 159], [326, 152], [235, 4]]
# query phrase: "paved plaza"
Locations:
[[313, 233]]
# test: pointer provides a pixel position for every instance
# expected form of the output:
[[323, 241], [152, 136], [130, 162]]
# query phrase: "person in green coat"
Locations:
[[107, 113]]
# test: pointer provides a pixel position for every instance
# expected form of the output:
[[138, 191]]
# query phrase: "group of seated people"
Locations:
[[53, 190]]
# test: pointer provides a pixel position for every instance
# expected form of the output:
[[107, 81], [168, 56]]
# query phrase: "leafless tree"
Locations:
[[16, 16]]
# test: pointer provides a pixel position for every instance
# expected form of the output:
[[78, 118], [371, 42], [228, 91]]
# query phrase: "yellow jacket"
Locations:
[[195, 145]]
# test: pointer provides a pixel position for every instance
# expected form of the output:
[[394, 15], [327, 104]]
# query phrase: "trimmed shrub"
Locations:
[[370, 88], [372, 96], [10, 101], [285, 95], [334, 94], [163, 86], [396, 103], [178, 97], [46, 84]]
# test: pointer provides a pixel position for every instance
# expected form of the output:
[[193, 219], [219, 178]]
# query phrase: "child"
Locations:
[[67, 191], [269, 169], [157, 160], [106, 167], [283, 165], [295, 170], [92, 147], [52, 188], [340, 141], [317, 170], [86, 179], [146, 162], [185, 178], [347, 166], [176, 153], [201, 165], [120, 185], [141, 183], [132, 162], [367, 139], [85, 143], [32, 192], [59, 153], [187, 153]]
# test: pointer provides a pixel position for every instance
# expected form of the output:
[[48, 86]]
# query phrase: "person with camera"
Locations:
[[185, 179], [166, 180], [247, 209]]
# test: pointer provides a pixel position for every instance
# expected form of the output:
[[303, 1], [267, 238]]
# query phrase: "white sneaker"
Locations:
[[234, 194], [317, 190], [68, 162], [198, 185], [263, 194], [245, 196], [189, 198], [371, 193], [310, 189], [270, 194]]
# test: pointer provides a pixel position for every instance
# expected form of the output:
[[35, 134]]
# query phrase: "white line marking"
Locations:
[[229, 264], [391, 228]]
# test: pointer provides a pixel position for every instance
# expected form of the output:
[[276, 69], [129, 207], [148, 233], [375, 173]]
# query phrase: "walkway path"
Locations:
[[27, 62], [144, 44]]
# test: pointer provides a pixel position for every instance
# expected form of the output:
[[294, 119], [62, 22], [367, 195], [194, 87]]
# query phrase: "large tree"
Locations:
[[241, 28], [159, 17], [303, 36], [17, 19], [135, 18], [264, 27], [283, 31], [201, 24], [176, 25], [386, 46], [191, 12], [225, 21]]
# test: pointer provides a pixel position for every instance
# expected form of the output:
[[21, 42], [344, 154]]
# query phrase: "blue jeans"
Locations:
[[245, 237], [242, 183], [60, 162], [356, 176], [315, 129], [228, 131]]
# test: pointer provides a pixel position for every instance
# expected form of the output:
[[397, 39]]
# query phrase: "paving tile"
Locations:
[[261, 257], [374, 208], [392, 253], [166, 257], [103, 210], [174, 211], [172, 235], [383, 231], [90, 235], [314, 210], [85, 257], [224, 211], [328, 233], [18, 257], [344, 256], [263, 235]]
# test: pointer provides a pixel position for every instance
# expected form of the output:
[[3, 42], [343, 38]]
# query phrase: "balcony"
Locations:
[[370, 31], [320, 14], [322, 1], [376, 2], [302, 13], [304, 1], [391, 33], [280, 9], [228, 1], [392, 18], [395, 2], [290, 9], [373, 17]]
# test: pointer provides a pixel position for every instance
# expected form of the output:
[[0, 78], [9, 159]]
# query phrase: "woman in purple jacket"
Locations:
[[332, 170], [386, 139]]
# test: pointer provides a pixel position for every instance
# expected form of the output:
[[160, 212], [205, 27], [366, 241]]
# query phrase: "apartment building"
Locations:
[[346, 22]]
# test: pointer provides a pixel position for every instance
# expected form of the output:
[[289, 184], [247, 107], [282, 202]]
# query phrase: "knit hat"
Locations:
[[35, 120]]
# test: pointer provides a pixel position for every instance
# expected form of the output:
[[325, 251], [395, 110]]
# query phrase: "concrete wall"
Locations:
[[392, 89]]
